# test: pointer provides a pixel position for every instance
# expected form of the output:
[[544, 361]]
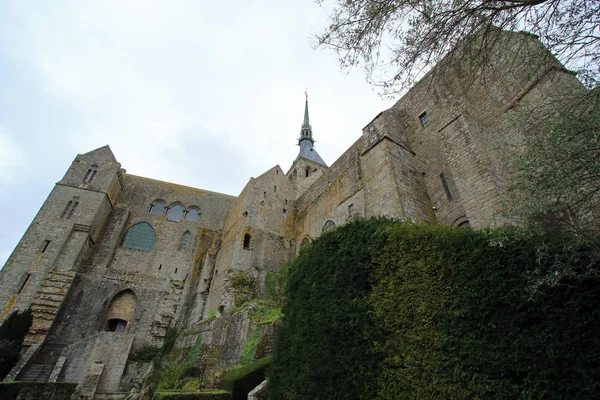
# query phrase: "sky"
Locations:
[[204, 94]]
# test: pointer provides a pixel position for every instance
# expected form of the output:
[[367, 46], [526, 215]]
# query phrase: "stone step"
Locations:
[[50, 297], [54, 284], [44, 304], [36, 373], [69, 274]]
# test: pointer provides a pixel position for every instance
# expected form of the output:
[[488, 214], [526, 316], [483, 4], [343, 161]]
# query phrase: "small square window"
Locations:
[[424, 118]]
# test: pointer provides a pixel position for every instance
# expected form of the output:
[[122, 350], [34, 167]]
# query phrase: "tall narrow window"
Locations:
[[24, 283], [45, 245], [67, 208], [275, 189], [185, 241], [445, 185], [70, 208], [424, 118], [87, 175], [247, 240], [307, 171], [350, 209]]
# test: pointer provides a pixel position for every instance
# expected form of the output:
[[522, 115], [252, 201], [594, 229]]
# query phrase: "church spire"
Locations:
[[306, 131], [306, 141]]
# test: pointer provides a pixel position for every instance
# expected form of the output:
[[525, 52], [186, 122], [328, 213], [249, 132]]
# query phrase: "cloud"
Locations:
[[204, 94], [12, 158]]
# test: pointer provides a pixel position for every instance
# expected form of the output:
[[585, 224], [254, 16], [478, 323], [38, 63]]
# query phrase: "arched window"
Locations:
[[185, 241], [247, 241], [121, 312], [304, 242], [158, 207], [116, 325], [140, 236], [329, 225], [193, 214], [174, 213]]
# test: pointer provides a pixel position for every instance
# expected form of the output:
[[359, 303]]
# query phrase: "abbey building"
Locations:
[[112, 260]]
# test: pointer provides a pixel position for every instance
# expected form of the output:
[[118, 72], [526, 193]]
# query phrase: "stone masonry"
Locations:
[[112, 260]]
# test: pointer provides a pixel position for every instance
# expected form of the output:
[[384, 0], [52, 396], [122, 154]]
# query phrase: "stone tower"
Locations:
[[39, 272]]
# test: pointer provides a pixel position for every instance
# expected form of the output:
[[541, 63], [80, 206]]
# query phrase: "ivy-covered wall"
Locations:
[[381, 309]]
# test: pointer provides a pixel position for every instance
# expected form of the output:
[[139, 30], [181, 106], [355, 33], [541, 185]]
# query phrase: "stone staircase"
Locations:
[[36, 373], [45, 305]]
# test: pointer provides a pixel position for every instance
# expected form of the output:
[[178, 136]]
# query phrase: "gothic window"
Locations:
[[193, 214], [158, 207], [424, 118], [329, 225], [304, 242], [140, 236], [247, 241], [70, 208], [174, 213], [185, 241]]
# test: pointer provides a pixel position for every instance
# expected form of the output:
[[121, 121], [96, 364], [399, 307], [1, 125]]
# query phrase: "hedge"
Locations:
[[36, 390], [208, 394], [380, 309]]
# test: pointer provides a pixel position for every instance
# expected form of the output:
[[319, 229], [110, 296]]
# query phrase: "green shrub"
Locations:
[[170, 339], [388, 310], [244, 288], [146, 354], [207, 394], [275, 283], [36, 390], [250, 346], [324, 345], [12, 332], [246, 377]]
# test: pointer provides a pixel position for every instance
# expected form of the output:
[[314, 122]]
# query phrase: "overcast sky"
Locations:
[[204, 94]]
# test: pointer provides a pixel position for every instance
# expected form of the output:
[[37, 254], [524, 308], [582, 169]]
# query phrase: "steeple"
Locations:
[[306, 140], [306, 131]]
